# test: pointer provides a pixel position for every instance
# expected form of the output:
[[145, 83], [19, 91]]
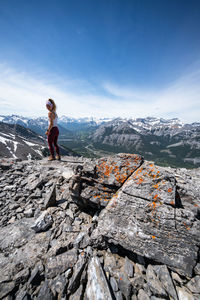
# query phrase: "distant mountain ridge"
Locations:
[[166, 141], [16, 141]]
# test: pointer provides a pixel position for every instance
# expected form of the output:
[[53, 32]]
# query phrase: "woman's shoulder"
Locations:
[[50, 114]]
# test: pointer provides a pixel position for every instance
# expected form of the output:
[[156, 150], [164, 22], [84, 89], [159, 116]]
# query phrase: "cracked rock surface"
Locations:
[[117, 227]]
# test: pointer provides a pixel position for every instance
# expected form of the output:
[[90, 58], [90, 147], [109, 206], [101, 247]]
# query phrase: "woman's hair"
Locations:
[[53, 103]]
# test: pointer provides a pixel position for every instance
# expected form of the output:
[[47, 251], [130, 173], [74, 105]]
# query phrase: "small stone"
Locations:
[[22, 295], [114, 284], [19, 210], [6, 288], [78, 294], [35, 277], [28, 213], [68, 173], [68, 273], [118, 295], [197, 269], [60, 263], [43, 222], [128, 267], [142, 295], [77, 271], [176, 278], [194, 285], [154, 283], [139, 269], [12, 220], [22, 276], [165, 278], [45, 292], [184, 294], [51, 198], [58, 284], [124, 285], [36, 183], [137, 282]]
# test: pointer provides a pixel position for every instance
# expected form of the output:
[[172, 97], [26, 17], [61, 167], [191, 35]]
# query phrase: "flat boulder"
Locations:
[[145, 217], [109, 175]]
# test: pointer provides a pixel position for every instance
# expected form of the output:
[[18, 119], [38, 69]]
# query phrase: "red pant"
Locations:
[[52, 139]]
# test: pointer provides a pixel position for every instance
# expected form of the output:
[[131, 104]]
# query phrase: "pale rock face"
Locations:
[[97, 287]]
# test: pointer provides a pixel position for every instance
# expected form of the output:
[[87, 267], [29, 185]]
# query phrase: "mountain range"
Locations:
[[17, 141], [166, 141]]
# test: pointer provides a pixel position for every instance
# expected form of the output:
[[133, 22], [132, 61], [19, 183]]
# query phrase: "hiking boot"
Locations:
[[58, 157], [51, 158]]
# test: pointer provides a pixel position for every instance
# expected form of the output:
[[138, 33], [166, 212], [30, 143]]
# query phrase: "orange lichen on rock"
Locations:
[[155, 186], [153, 236], [169, 190]]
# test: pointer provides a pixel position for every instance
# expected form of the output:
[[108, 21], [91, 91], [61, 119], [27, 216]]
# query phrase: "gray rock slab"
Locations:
[[154, 283], [166, 280], [124, 285], [43, 222], [77, 271], [142, 295], [58, 285], [78, 294], [197, 269], [97, 287], [128, 267], [194, 285], [6, 288], [45, 292], [114, 284], [111, 173], [143, 218], [51, 198], [15, 235], [184, 294], [35, 184], [60, 263]]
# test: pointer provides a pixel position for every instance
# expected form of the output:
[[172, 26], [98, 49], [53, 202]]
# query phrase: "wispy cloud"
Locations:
[[25, 94]]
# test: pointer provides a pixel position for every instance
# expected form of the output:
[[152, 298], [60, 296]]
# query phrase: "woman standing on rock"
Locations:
[[52, 131]]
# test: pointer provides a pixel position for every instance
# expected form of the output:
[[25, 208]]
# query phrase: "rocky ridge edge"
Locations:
[[98, 229]]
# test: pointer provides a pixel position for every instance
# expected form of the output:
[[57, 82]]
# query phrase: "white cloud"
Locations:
[[25, 94]]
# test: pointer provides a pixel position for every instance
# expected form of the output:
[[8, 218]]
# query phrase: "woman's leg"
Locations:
[[50, 140], [55, 141]]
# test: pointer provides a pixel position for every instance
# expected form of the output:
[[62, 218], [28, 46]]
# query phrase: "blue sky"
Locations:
[[103, 58]]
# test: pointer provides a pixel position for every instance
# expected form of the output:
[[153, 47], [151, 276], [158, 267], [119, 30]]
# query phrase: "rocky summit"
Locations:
[[117, 227]]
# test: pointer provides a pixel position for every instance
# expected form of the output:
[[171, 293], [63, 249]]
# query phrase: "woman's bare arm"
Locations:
[[50, 115]]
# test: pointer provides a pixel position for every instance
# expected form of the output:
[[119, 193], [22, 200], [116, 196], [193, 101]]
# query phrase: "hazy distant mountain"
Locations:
[[17, 141], [38, 125]]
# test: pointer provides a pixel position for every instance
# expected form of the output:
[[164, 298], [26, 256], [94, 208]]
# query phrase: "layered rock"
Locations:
[[147, 217], [59, 241]]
